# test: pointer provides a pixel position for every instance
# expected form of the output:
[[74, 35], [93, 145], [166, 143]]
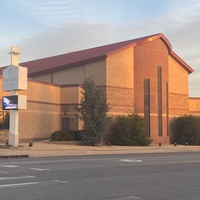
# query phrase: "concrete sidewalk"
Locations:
[[43, 149]]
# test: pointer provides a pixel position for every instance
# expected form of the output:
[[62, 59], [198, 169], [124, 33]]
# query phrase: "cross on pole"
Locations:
[[14, 56]]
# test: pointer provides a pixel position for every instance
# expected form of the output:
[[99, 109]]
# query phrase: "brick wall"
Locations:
[[194, 106], [178, 89], [148, 57], [120, 81]]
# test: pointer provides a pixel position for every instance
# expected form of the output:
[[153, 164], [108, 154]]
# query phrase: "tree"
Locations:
[[93, 111]]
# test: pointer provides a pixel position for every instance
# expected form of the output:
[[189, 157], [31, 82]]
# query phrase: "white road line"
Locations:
[[18, 184], [39, 169], [9, 166], [3, 172], [130, 197], [133, 197], [57, 181], [14, 178], [130, 160]]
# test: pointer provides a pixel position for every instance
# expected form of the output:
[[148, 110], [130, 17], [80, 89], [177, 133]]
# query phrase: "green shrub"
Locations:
[[75, 135], [66, 136], [55, 136], [60, 136], [128, 130], [186, 129]]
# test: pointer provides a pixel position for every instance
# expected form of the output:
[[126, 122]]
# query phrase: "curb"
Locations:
[[14, 156]]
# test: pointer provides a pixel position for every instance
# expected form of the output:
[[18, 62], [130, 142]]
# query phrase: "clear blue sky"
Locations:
[[42, 28]]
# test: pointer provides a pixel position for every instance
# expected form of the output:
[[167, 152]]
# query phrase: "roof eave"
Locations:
[[174, 55], [181, 62]]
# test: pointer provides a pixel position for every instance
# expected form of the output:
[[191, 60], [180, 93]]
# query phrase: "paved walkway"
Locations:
[[42, 149]]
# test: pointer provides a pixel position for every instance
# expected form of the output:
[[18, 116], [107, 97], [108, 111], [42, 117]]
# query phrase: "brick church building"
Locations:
[[142, 76]]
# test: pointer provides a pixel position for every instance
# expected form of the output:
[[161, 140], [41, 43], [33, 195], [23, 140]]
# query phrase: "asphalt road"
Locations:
[[174, 176]]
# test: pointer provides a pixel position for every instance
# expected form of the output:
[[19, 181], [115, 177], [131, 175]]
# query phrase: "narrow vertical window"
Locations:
[[147, 105], [167, 108], [159, 81]]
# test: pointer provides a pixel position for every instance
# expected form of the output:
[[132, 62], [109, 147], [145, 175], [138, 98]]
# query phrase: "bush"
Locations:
[[66, 136], [75, 135], [128, 130], [60, 136], [186, 129]]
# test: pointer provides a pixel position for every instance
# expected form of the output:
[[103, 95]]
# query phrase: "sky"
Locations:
[[43, 28]]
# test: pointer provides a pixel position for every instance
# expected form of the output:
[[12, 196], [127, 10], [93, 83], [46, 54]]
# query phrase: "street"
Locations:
[[167, 176]]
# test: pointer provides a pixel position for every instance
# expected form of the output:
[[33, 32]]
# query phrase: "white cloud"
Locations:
[[56, 27], [50, 13]]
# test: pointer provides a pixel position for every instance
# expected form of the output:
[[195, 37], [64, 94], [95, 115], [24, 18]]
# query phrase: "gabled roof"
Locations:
[[58, 62], [63, 61]]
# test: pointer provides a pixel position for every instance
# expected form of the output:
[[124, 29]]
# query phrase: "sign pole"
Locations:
[[13, 137]]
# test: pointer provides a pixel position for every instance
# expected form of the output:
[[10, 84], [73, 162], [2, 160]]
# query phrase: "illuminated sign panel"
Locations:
[[10, 102], [14, 102]]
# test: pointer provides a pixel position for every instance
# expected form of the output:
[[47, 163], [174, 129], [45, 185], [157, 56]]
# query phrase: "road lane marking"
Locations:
[[129, 197], [9, 166], [133, 197], [58, 181], [3, 172], [39, 169], [18, 184], [130, 160], [12, 178]]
